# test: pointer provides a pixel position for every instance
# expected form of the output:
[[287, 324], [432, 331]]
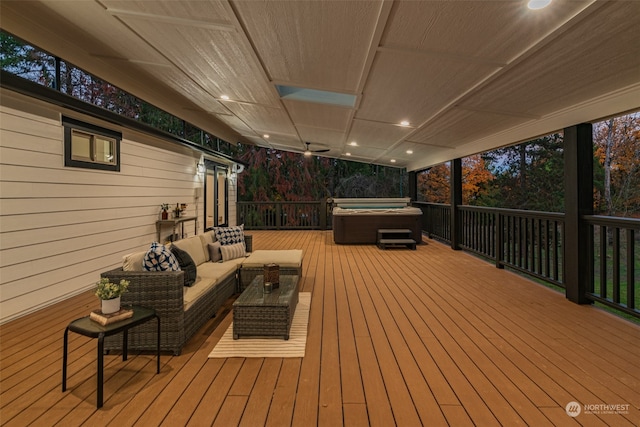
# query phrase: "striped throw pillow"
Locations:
[[232, 251]]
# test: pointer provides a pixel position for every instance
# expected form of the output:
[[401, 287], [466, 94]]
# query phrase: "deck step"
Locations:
[[409, 243]]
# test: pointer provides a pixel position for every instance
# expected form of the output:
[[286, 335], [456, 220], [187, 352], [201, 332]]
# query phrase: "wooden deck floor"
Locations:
[[398, 337]]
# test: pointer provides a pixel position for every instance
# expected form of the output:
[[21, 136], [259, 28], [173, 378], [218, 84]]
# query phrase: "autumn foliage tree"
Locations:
[[434, 184]]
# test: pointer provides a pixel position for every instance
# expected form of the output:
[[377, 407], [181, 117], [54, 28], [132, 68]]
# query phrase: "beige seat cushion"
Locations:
[[284, 258], [217, 270], [209, 274], [193, 246], [199, 288]]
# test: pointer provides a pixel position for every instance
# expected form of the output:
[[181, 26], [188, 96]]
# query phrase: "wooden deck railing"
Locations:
[[616, 262], [532, 242], [279, 215]]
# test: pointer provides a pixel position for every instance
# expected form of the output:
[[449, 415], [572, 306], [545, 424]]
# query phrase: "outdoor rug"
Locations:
[[269, 347]]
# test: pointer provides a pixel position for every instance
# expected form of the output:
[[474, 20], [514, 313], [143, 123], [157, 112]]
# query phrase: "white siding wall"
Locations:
[[61, 227]]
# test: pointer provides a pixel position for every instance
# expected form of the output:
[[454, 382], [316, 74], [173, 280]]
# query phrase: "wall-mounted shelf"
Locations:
[[174, 223]]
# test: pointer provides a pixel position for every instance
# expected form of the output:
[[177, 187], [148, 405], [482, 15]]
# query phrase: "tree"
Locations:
[[475, 179], [617, 149], [527, 176], [279, 175], [434, 184], [26, 61]]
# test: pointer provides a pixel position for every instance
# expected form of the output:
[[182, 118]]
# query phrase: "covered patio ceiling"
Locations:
[[467, 76]]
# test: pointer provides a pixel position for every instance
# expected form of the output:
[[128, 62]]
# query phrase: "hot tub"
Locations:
[[358, 220]]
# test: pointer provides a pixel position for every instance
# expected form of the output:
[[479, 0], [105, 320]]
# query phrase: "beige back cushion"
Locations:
[[206, 238], [193, 246], [133, 262]]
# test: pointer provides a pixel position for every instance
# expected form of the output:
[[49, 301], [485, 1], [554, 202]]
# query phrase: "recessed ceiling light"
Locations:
[[347, 154], [393, 160], [404, 123], [538, 4], [225, 97], [353, 144], [265, 136], [409, 151]]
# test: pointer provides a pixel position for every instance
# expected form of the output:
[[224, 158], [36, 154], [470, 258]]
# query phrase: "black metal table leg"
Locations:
[[100, 368], [64, 359], [158, 344], [125, 344]]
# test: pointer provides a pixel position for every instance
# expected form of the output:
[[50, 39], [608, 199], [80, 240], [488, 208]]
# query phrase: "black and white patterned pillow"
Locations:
[[159, 258], [229, 235]]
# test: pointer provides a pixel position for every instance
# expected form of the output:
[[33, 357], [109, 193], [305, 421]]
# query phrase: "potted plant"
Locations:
[[109, 294], [165, 210]]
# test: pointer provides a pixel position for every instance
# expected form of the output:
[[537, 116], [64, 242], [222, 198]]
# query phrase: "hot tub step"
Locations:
[[409, 243], [394, 233]]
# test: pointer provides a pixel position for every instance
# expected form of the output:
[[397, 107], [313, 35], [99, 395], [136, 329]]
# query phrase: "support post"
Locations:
[[456, 200], [578, 201], [412, 178]]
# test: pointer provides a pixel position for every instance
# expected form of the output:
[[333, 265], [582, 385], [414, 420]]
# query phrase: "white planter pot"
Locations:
[[110, 305]]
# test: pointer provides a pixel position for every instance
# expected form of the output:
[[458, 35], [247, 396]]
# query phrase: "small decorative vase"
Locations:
[[110, 305], [165, 215], [267, 287]]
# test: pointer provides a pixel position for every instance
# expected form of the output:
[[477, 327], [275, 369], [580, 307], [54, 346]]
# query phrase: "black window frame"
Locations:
[[73, 124]]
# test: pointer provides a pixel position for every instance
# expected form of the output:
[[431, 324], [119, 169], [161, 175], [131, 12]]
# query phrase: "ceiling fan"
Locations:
[[309, 152]]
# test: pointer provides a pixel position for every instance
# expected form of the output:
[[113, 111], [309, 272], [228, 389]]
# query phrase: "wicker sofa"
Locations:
[[182, 310]]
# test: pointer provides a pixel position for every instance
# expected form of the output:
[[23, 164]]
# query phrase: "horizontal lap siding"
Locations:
[[60, 227]]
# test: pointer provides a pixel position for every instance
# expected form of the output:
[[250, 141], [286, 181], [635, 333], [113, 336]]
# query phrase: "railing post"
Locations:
[[578, 201], [278, 223], [456, 200], [412, 179], [499, 244], [631, 287], [323, 214]]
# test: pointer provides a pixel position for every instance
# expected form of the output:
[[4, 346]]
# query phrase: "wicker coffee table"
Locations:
[[258, 314]]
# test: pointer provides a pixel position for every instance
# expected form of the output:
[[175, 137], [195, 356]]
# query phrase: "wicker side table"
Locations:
[[258, 314]]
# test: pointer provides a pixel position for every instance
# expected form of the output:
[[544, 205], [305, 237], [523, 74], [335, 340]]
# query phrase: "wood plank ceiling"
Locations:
[[467, 75]]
